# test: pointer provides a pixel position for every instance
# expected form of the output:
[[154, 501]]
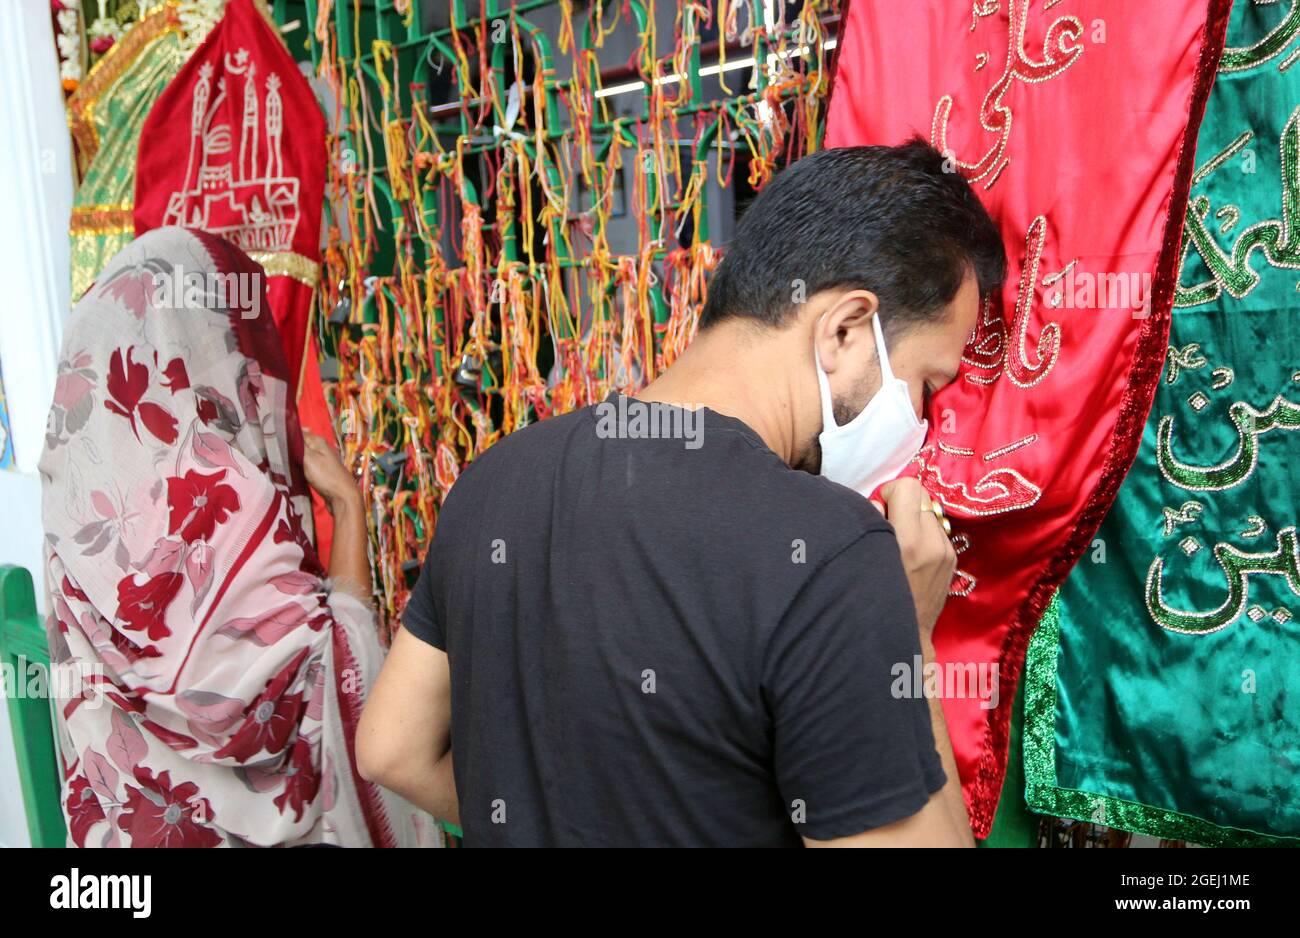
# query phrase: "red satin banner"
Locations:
[[235, 146], [1075, 121]]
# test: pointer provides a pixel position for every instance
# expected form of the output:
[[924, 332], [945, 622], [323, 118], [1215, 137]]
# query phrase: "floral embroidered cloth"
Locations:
[[1163, 694], [208, 680], [1075, 121]]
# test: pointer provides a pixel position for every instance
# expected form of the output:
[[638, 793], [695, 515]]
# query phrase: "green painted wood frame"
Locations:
[[22, 648]]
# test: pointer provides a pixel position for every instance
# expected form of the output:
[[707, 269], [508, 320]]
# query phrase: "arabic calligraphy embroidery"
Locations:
[[984, 351], [1248, 57], [1022, 373], [1063, 39], [1184, 515], [1274, 237], [1237, 566], [1187, 357], [1249, 423]]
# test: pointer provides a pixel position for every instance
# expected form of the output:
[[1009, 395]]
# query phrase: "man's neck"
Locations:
[[735, 371]]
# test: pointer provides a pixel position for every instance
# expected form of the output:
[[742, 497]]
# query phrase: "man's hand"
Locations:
[[929, 561], [928, 556]]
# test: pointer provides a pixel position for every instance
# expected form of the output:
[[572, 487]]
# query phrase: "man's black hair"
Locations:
[[892, 220]]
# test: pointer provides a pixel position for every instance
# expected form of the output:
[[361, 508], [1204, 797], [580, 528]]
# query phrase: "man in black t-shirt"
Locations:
[[678, 619]]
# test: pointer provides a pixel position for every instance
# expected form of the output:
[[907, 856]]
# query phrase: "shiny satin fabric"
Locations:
[[1165, 696], [1075, 125]]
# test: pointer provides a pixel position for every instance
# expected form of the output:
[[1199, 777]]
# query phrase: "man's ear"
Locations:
[[845, 322]]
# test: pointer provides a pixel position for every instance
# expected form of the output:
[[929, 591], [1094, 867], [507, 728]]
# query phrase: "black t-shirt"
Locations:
[[670, 642]]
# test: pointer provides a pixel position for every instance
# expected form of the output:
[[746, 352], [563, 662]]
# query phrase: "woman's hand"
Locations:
[[349, 553], [327, 474]]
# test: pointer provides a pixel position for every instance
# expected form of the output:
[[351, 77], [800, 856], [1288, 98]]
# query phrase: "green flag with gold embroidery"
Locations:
[[1163, 686], [105, 117]]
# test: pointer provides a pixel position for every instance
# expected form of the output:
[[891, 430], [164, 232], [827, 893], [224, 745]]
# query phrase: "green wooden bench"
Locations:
[[22, 648]]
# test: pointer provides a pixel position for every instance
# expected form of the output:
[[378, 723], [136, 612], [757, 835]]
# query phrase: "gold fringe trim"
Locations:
[[288, 264], [103, 219]]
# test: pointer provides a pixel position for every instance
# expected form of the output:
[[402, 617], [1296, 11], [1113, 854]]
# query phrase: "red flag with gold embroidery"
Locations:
[[235, 146], [1076, 123]]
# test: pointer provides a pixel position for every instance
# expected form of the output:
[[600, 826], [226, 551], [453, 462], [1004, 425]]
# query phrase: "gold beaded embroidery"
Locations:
[[1248, 57], [1063, 38], [996, 493], [979, 10], [1222, 157], [1010, 447], [1274, 237], [955, 450], [288, 264], [984, 351], [1229, 215], [962, 582], [1018, 368]]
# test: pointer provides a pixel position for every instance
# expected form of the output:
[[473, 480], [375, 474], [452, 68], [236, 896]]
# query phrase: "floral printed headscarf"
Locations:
[[219, 679]]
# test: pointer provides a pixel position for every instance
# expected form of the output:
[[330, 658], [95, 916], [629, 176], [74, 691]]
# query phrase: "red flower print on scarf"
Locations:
[[130, 651], [73, 400], [128, 381], [142, 606], [198, 503], [251, 388], [301, 782], [216, 410], [178, 379], [83, 809], [70, 589], [271, 720], [286, 533], [178, 741], [158, 815], [74, 382], [133, 287], [268, 627]]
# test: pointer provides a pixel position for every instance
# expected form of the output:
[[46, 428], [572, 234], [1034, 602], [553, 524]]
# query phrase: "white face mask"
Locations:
[[877, 444]]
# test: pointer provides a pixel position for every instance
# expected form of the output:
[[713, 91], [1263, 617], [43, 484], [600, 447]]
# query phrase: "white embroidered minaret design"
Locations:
[[238, 192]]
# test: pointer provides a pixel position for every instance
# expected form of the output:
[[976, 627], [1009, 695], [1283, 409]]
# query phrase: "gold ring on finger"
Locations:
[[943, 520]]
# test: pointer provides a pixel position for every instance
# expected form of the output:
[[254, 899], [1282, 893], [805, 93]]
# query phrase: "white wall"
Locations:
[[36, 192]]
